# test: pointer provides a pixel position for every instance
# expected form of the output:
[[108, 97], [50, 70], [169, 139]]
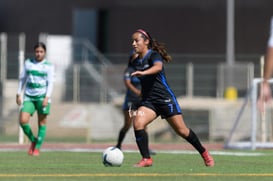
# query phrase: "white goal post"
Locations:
[[259, 137], [254, 110]]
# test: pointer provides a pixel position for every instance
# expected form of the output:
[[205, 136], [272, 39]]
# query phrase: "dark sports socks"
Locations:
[[142, 142], [27, 130], [121, 136], [194, 140]]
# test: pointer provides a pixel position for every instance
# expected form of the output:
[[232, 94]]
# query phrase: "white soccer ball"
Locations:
[[112, 156]]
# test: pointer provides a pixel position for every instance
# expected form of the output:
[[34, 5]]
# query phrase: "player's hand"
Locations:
[[265, 96], [45, 102], [138, 93], [18, 99], [137, 73]]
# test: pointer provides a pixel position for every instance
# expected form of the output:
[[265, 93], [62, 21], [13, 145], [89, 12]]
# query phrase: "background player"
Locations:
[[157, 97], [132, 100], [37, 77]]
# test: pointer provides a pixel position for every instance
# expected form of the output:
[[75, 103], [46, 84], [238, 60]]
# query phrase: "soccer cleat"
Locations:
[[144, 162], [31, 148], [209, 162], [36, 152]]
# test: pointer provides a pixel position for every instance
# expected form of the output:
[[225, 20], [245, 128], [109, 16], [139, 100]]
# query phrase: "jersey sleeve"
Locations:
[[270, 41], [22, 79], [50, 80], [155, 57]]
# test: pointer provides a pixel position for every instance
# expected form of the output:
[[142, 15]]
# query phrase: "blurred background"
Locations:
[[216, 47]]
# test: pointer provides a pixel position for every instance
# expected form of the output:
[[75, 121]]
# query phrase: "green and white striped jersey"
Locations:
[[37, 78]]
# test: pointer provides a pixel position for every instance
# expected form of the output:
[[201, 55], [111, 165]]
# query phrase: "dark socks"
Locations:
[[194, 140], [121, 136], [142, 142]]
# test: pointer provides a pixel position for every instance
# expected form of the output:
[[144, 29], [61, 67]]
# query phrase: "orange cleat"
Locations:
[[36, 152], [31, 148], [144, 162], [209, 162]]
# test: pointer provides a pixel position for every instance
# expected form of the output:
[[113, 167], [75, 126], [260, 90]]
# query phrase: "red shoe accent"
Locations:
[[31, 148], [36, 152], [144, 162], [209, 162]]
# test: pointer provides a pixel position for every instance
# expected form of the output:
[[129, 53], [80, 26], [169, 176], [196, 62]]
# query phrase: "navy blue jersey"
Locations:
[[156, 93], [155, 86]]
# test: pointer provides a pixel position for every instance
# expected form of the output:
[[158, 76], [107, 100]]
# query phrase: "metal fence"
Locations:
[[210, 76]]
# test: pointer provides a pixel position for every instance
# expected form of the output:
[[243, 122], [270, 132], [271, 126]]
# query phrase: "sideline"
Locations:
[[92, 150]]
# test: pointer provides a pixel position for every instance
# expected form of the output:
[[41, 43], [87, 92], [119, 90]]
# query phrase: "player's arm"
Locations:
[[130, 86], [268, 68], [265, 90], [156, 68], [22, 81], [268, 63], [50, 85]]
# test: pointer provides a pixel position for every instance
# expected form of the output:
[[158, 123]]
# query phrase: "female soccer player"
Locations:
[[37, 77], [157, 97], [131, 102]]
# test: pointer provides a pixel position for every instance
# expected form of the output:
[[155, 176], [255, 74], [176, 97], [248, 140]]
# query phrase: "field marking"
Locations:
[[190, 152], [143, 175]]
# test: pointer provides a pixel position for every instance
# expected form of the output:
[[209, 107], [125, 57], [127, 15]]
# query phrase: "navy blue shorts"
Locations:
[[165, 110]]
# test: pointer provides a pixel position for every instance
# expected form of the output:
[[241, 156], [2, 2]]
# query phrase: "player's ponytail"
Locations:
[[155, 45], [161, 49]]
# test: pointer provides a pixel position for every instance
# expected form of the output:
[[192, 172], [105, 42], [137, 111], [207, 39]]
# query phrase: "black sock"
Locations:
[[121, 136], [194, 140], [142, 142]]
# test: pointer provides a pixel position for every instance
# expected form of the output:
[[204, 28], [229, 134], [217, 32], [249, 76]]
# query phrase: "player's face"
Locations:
[[140, 45], [39, 53]]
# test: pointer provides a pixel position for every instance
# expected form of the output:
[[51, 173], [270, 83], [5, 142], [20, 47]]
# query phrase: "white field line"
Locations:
[[225, 153]]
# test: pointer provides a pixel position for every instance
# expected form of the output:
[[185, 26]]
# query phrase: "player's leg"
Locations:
[[144, 116], [42, 119], [181, 129], [126, 126], [25, 113], [41, 133], [24, 123]]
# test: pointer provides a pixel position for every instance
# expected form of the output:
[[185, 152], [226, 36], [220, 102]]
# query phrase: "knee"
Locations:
[[42, 119], [138, 125], [42, 122], [23, 120]]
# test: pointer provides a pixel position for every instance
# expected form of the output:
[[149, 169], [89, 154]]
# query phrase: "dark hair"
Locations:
[[155, 45], [40, 44]]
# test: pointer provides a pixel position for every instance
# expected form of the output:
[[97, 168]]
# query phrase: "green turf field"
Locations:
[[87, 166]]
